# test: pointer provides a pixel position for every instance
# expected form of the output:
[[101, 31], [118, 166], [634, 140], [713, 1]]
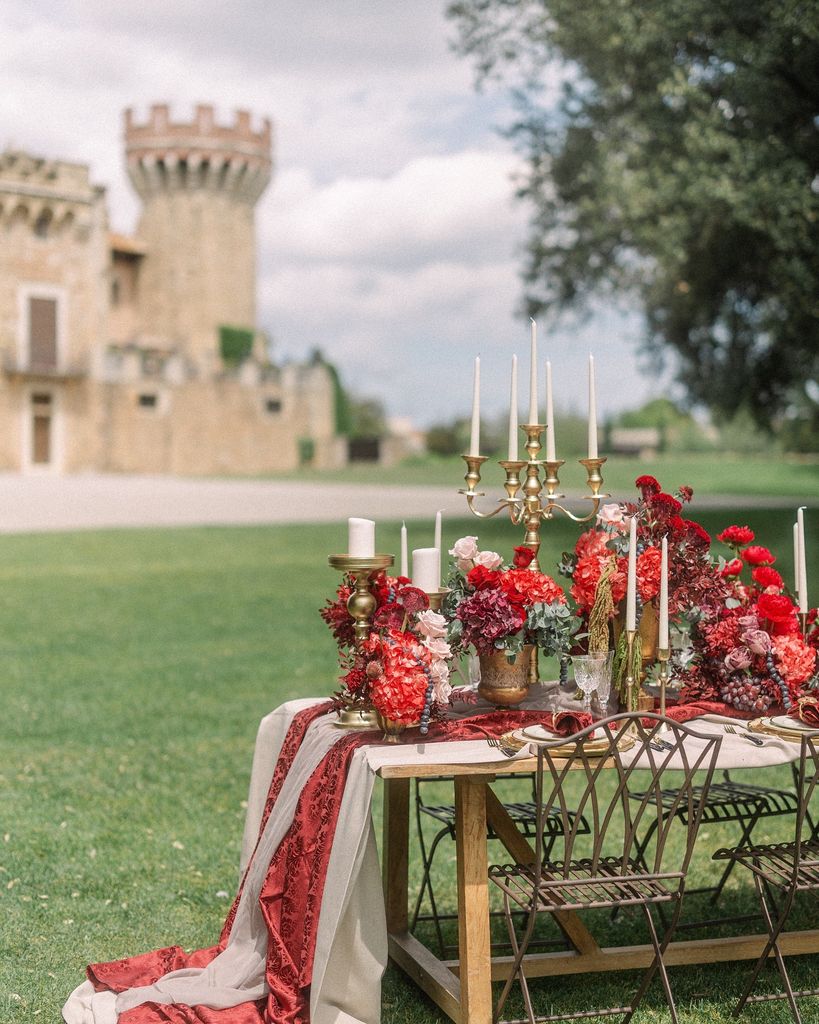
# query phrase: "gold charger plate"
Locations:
[[765, 725], [593, 747]]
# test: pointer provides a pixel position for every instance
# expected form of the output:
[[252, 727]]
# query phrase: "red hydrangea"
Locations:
[[523, 586], [648, 485], [736, 536], [648, 573], [779, 610], [488, 615], [586, 577], [591, 543], [399, 691], [764, 576], [758, 555], [796, 660]]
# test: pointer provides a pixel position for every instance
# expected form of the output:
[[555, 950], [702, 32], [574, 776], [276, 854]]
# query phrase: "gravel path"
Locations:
[[36, 503]]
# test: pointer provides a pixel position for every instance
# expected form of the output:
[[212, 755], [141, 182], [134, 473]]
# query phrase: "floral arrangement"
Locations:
[[749, 652], [492, 606], [402, 669]]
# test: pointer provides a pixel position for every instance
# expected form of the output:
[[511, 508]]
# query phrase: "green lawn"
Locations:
[[707, 474], [136, 667]]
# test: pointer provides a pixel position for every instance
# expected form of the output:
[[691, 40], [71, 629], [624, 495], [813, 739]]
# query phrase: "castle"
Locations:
[[141, 354]]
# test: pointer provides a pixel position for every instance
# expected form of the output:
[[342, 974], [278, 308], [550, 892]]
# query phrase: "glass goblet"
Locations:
[[593, 672]]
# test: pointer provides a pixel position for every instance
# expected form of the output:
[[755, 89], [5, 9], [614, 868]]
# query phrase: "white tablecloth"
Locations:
[[351, 946]]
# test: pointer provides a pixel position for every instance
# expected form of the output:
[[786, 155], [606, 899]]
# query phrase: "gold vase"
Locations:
[[505, 683], [648, 633], [392, 730]]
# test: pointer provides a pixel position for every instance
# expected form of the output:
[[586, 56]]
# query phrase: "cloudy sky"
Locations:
[[389, 236]]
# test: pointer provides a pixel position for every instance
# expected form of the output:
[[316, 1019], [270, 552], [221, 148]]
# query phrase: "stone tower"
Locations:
[[199, 183]]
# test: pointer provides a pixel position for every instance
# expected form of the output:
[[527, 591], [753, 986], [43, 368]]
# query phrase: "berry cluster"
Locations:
[[744, 693]]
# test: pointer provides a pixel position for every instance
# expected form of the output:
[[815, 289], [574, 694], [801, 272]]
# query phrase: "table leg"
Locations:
[[395, 863], [473, 900]]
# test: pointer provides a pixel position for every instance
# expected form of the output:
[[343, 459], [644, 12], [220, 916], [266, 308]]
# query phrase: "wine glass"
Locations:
[[593, 672]]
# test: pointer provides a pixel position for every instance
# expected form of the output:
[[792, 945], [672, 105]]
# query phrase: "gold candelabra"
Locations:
[[533, 499]]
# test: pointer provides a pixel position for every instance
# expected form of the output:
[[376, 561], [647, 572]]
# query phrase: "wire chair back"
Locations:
[[807, 785], [606, 776]]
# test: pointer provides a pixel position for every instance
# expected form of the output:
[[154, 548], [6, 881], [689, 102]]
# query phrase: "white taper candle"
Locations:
[[631, 590], [533, 413], [475, 433], [404, 558], [663, 637], [513, 413], [796, 558], [802, 592], [361, 538], [550, 415], [425, 562], [592, 411], [438, 541]]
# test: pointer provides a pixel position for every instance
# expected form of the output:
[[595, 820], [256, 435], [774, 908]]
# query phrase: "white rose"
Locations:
[[442, 691], [611, 514], [464, 550], [488, 559], [438, 647], [430, 623]]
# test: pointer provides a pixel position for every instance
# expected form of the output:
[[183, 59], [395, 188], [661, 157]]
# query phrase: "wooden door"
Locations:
[[41, 429], [42, 333]]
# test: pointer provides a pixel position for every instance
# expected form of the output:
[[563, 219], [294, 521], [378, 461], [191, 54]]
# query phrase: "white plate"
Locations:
[[537, 732], [786, 722]]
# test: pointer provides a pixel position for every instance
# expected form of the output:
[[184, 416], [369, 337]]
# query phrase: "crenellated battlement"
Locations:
[[45, 194], [164, 155]]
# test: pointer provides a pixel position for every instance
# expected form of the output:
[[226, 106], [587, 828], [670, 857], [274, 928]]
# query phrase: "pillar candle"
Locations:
[[663, 638], [361, 538], [592, 412], [533, 413], [802, 589], [425, 563], [475, 434], [513, 413], [404, 560], [550, 416], [631, 591]]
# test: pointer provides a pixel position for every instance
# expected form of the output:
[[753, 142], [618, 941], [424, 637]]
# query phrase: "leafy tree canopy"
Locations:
[[681, 165]]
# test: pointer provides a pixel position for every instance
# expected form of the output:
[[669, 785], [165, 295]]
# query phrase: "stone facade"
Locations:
[[110, 345]]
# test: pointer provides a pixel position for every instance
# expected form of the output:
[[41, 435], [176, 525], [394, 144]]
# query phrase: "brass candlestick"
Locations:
[[361, 603], [663, 657], [803, 624], [533, 498], [436, 598]]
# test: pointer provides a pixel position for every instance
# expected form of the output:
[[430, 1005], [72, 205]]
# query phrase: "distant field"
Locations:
[[136, 666], [707, 474]]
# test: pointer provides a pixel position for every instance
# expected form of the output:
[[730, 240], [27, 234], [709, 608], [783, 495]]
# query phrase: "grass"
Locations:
[[786, 477], [136, 665]]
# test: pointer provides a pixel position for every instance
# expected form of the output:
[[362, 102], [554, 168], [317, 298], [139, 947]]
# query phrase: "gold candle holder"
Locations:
[[803, 624], [473, 475], [361, 603], [663, 657], [436, 598], [513, 482]]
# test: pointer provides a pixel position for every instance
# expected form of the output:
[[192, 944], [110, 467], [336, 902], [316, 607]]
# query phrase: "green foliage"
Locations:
[[367, 417], [447, 438], [680, 166], [235, 344]]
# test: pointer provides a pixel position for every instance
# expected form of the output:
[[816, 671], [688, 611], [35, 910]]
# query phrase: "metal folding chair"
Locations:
[[781, 872], [522, 812], [602, 871]]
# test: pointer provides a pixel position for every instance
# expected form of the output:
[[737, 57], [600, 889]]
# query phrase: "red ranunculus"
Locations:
[[780, 611], [764, 576], [481, 578], [732, 568], [757, 555], [523, 557], [736, 536], [648, 485]]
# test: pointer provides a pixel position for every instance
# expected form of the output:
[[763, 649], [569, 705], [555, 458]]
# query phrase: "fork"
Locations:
[[743, 732], [498, 744]]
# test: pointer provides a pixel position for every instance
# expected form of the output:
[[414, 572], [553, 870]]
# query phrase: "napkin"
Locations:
[[806, 710]]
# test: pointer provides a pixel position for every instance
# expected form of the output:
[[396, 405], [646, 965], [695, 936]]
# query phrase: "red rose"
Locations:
[[736, 536], [757, 555], [732, 568], [764, 576], [648, 485], [481, 578], [780, 611], [523, 557]]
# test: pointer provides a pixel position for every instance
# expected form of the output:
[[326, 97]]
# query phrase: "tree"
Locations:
[[680, 166]]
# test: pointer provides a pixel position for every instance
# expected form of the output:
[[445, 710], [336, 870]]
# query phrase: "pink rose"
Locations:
[[488, 559], [438, 647], [430, 624], [738, 658], [748, 622], [611, 515], [757, 640], [463, 551]]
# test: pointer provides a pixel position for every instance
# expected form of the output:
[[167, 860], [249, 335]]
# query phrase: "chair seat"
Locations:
[[730, 801], [775, 862], [523, 814], [582, 886]]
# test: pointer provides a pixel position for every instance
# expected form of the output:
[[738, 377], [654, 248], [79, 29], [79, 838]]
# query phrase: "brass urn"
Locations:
[[504, 681]]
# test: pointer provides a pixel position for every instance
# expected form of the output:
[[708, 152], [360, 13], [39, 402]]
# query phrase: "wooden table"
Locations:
[[462, 988]]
